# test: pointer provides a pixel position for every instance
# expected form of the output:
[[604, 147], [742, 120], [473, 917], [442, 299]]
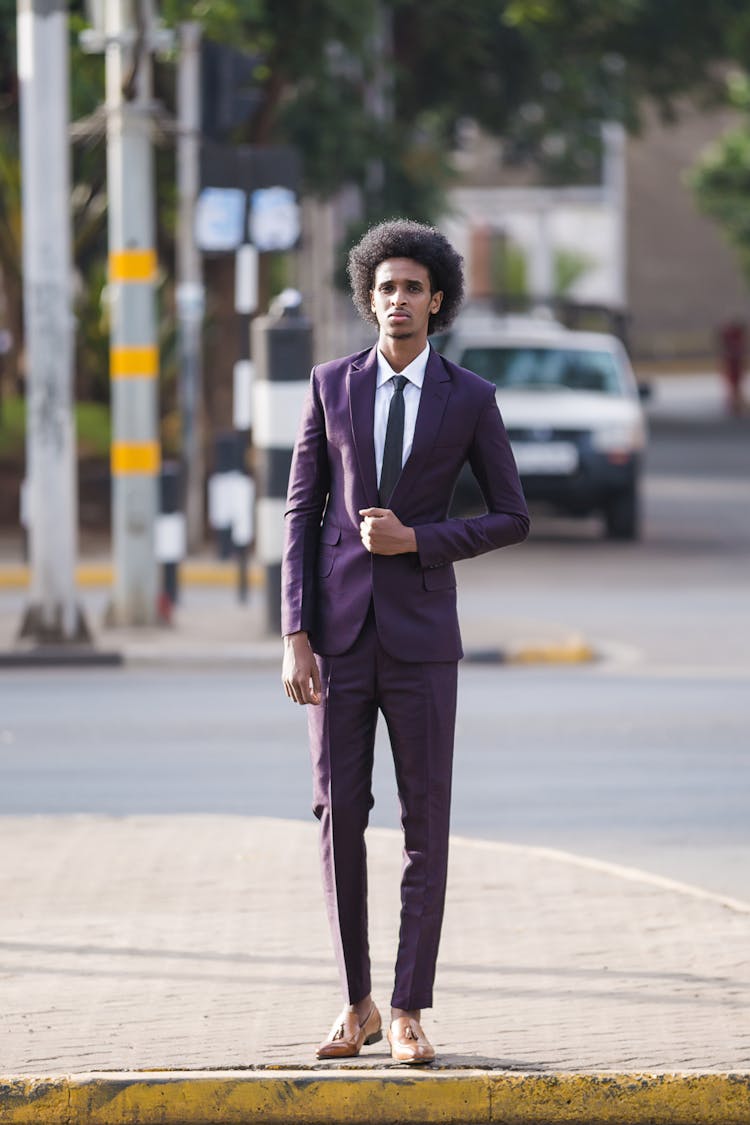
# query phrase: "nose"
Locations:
[[399, 296]]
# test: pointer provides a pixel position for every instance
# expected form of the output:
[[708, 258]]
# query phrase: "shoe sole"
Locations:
[[412, 1062]]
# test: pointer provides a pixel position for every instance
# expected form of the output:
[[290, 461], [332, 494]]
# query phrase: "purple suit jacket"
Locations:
[[329, 579]]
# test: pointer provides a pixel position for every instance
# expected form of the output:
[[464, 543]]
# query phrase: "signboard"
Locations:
[[274, 222], [220, 219]]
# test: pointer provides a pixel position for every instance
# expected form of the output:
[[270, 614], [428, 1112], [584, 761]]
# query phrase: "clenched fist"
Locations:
[[382, 532]]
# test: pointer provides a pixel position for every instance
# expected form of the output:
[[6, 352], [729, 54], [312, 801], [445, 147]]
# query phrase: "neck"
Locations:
[[400, 353]]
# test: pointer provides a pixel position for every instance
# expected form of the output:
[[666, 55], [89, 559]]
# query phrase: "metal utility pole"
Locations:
[[615, 187], [43, 71], [190, 290], [134, 354]]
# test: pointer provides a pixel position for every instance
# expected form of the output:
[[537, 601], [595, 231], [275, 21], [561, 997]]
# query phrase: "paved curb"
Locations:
[[574, 650], [380, 1098], [141, 656], [100, 575]]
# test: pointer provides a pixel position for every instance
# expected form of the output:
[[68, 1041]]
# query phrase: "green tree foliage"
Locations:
[[374, 93], [721, 178]]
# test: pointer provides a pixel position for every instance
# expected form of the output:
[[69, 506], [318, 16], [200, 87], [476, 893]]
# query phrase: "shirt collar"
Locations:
[[414, 371]]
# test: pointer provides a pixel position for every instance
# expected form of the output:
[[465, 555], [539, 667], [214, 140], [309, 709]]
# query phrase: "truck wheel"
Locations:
[[622, 515]]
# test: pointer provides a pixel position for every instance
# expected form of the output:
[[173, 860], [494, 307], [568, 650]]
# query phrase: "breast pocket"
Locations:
[[330, 536]]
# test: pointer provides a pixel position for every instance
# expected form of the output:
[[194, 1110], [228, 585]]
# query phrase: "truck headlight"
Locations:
[[619, 437]]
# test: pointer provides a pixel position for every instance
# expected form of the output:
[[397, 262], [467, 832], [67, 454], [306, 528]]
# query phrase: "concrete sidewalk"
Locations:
[[179, 969]]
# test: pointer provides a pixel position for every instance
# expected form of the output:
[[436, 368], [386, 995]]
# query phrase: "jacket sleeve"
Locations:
[[506, 520], [306, 500]]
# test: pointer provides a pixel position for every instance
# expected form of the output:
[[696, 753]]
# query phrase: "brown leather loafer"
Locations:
[[348, 1036], [409, 1044]]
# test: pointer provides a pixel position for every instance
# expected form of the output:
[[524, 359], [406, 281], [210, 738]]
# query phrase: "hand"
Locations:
[[382, 532], [299, 671]]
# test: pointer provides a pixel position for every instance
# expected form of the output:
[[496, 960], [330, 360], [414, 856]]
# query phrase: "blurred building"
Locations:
[[640, 240], [683, 279], [636, 243]]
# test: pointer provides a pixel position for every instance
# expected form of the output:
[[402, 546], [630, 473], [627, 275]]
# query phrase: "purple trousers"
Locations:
[[418, 702]]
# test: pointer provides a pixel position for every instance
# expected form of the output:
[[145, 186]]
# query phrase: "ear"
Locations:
[[372, 300], [437, 300]]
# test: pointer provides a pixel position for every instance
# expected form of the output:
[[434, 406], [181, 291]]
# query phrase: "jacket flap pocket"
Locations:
[[330, 534], [439, 577]]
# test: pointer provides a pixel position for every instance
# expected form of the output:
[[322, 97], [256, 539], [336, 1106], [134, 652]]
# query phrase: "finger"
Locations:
[[376, 513]]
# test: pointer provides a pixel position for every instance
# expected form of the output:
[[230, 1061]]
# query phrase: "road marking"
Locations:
[[589, 863], [632, 668], [619, 871]]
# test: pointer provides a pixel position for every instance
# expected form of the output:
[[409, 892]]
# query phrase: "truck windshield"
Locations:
[[545, 368]]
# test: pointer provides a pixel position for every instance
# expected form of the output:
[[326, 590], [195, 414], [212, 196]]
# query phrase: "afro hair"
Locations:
[[404, 238]]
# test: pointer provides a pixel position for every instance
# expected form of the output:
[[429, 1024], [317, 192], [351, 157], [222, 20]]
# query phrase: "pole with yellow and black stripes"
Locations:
[[134, 353]]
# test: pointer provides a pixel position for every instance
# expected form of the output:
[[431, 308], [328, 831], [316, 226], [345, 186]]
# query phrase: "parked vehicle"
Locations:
[[572, 409]]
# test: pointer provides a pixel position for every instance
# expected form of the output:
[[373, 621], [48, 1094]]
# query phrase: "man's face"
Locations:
[[401, 298]]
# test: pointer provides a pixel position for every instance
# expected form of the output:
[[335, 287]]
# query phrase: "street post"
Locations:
[[52, 615]]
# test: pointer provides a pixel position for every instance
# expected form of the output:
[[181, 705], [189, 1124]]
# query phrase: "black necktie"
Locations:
[[393, 451]]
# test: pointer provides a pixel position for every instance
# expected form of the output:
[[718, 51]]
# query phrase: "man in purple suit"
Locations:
[[369, 601]]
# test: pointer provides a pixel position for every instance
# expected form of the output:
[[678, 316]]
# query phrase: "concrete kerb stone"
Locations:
[[340, 1097], [195, 572]]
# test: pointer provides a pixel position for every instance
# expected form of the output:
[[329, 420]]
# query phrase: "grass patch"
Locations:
[[93, 429], [92, 421]]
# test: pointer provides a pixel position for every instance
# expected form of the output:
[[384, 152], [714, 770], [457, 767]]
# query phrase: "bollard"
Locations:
[[242, 528], [221, 491], [23, 517], [170, 539], [282, 353]]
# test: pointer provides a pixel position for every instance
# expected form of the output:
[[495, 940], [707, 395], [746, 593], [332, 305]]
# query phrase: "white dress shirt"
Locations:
[[384, 388]]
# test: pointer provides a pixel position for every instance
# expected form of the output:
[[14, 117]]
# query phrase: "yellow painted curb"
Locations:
[[384, 1097], [573, 651], [14, 577], [101, 574]]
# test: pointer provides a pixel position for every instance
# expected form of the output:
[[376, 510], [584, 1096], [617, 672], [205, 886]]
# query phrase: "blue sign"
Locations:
[[220, 218], [274, 222]]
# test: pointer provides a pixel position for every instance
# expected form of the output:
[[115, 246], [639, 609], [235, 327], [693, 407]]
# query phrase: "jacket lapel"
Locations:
[[361, 380], [433, 400]]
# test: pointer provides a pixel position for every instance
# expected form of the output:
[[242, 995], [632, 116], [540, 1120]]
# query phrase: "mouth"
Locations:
[[398, 316]]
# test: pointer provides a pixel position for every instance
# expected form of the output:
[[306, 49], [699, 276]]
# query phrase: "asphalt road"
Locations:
[[641, 759]]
